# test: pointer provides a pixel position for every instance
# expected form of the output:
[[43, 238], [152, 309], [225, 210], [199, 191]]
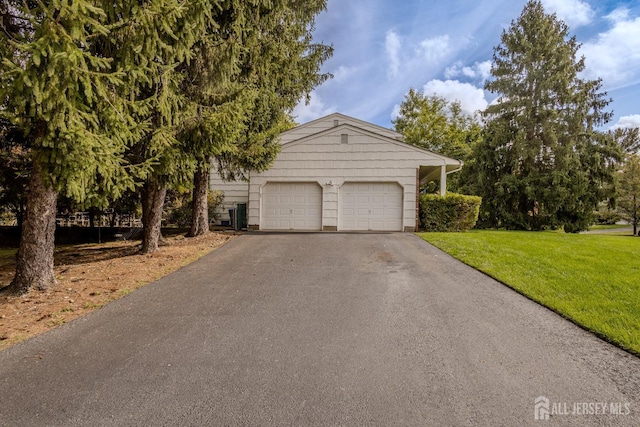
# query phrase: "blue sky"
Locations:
[[385, 47]]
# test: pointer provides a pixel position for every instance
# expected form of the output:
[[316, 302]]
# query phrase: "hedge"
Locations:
[[453, 212]]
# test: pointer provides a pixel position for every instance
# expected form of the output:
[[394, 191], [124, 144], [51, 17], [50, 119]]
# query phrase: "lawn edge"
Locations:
[[596, 333]]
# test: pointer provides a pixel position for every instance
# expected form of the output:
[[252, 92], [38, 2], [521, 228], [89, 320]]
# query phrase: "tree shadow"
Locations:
[[84, 254]]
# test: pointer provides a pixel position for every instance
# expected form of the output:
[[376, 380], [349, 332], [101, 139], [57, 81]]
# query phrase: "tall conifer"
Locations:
[[58, 96], [543, 162]]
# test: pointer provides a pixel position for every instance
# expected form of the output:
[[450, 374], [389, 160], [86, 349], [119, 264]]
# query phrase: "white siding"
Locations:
[[234, 192], [323, 159], [328, 122]]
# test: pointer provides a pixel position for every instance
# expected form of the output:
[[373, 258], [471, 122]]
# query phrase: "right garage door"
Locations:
[[375, 206]]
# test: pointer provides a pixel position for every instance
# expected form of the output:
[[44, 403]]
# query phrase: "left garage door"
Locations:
[[291, 206]]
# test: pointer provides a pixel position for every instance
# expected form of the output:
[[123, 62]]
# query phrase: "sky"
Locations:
[[383, 48]]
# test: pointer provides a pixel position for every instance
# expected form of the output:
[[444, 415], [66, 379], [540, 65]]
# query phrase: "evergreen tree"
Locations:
[[14, 166], [242, 110], [153, 42], [627, 138], [542, 163], [57, 95]]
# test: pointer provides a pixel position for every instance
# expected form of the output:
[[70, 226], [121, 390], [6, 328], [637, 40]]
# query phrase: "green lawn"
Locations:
[[593, 280], [7, 256], [609, 227]]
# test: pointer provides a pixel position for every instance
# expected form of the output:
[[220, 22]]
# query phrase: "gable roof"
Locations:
[[337, 123], [341, 128], [328, 122]]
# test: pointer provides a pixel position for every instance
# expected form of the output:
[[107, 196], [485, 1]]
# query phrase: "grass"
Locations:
[[8, 253], [592, 280], [7, 256]]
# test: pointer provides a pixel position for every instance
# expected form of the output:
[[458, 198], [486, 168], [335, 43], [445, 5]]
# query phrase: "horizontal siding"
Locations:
[[360, 154], [342, 170], [318, 126], [234, 192]]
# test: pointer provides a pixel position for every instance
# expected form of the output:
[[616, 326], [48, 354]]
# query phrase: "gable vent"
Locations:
[[336, 123], [344, 138]]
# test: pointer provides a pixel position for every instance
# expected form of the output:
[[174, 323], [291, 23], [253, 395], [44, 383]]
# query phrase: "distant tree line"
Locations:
[[536, 155], [100, 100]]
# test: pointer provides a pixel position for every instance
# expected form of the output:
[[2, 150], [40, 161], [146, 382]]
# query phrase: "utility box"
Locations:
[[240, 220]]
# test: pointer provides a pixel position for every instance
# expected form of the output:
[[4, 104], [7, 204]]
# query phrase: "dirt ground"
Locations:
[[89, 276]]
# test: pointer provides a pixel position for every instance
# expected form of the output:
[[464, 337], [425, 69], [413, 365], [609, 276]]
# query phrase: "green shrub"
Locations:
[[453, 212], [178, 212]]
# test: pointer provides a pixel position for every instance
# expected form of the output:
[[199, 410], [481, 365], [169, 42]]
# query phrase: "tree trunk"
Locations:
[[635, 216], [153, 195], [113, 218], [34, 260], [20, 214], [199, 204], [92, 218]]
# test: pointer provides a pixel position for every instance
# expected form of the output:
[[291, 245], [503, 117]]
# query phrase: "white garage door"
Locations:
[[371, 206], [291, 206]]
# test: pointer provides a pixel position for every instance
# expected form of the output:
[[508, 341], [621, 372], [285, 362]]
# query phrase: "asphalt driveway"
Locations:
[[319, 329]]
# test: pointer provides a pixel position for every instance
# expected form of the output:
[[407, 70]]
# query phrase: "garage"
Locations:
[[292, 206], [375, 206], [338, 173]]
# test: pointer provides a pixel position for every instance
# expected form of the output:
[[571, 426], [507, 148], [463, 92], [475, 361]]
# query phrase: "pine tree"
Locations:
[[152, 43], [627, 138], [542, 162], [58, 96], [244, 109]]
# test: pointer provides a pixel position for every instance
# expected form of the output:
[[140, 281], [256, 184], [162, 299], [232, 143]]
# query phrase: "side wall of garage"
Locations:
[[234, 192]]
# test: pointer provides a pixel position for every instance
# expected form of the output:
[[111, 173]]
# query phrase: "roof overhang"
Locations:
[[433, 173]]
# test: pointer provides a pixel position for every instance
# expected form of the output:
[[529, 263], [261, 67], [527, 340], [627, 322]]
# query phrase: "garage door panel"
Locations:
[[395, 200], [371, 206], [292, 206], [349, 199], [378, 199], [362, 225], [377, 224]]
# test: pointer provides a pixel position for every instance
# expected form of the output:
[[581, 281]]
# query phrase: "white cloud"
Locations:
[[470, 97], [632, 121], [574, 12], [435, 49], [316, 108], [619, 15], [392, 47], [478, 71], [395, 112], [343, 73], [614, 55]]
